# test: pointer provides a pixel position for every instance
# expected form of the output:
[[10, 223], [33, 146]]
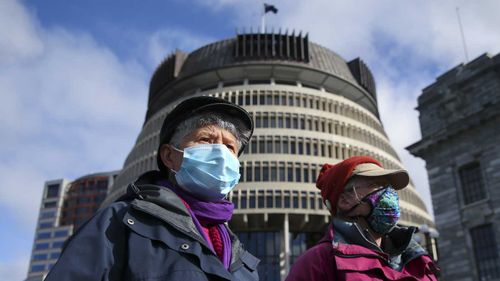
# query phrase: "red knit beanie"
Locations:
[[332, 178]]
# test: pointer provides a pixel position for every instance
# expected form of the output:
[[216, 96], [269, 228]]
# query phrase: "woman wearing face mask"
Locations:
[[363, 241], [172, 223]]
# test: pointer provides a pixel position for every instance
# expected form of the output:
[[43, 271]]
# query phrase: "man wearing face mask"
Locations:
[[172, 223], [363, 241]]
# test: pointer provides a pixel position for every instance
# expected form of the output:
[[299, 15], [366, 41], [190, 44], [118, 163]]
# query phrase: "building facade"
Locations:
[[309, 107], [460, 121], [64, 208]]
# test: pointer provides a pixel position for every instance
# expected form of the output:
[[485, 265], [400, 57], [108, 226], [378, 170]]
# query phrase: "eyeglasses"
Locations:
[[377, 187]]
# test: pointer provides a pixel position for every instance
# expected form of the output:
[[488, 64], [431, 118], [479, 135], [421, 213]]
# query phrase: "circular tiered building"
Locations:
[[309, 107]]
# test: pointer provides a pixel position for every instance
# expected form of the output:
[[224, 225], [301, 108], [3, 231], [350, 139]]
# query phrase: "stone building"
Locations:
[[309, 107], [460, 124]]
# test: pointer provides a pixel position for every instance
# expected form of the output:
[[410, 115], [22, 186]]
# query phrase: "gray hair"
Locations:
[[207, 119]]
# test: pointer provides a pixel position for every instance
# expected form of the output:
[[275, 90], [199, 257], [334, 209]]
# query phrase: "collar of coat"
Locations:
[[399, 245], [160, 202]]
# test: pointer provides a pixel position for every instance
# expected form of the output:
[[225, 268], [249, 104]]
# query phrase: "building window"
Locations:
[[472, 183], [287, 199], [49, 204], [41, 246], [273, 121], [234, 199], [285, 145], [282, 171], [242, 172], [43, 235], [240, 99], [262, 146], [260, 199], [265, 121], [243, 199], [269, 201], [47, 215], [277, 145], [264, 245], [289, 171], [298, 173], [57, 244], [303, 199], [274, 172], [311, 202], [295, 199], [249, 172], [253, 145], [39, 257], [247, 98], [257, 172], [37, 268], [485, 252], [277, 199], [52, 191], [46, 225], [293, 148], [252, 199], [269, 146]]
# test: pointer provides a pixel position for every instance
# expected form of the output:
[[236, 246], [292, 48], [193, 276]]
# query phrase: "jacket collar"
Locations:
[[164, 204], [399, 245]]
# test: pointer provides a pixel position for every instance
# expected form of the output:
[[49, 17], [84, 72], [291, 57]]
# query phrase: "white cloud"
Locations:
[[68, 107], [18, 33], [61, 104], [165, 41], [14, 271]]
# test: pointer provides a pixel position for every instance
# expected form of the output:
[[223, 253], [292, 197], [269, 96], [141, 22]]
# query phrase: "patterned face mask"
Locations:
[[385, 210]]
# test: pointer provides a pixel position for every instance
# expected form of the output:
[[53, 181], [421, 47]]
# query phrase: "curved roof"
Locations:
[[221, 54], [261, 56]]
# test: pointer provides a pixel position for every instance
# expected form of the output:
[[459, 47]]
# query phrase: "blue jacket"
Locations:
[[149, 235]]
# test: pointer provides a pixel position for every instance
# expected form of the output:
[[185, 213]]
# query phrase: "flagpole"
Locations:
[[263, 22]]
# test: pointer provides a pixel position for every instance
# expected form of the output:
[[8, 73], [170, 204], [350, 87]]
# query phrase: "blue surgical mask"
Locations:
[[208, 171]]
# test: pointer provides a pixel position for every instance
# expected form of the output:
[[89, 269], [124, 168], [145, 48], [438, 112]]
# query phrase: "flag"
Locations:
[[270, 8]]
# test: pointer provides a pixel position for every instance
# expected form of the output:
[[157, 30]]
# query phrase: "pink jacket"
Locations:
[[333, 258]]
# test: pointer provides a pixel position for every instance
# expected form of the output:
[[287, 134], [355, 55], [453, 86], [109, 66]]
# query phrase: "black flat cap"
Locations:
[[202, 104]]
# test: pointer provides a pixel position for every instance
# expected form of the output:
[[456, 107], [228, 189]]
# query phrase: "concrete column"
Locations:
[[286, 254]]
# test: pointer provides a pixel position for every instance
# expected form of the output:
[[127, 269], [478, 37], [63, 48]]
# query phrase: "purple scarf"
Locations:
[[208, 214]]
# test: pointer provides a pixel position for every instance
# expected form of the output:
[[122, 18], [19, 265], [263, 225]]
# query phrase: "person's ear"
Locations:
[[167, 157]]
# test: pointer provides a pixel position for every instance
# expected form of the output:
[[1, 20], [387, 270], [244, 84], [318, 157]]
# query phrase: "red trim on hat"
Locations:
[[332, 178]]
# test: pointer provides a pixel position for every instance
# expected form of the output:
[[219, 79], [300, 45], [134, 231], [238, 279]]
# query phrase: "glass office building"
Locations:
[[309, 107], [64, 208]]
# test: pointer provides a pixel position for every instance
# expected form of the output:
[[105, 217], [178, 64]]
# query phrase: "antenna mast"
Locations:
[[463, 36]]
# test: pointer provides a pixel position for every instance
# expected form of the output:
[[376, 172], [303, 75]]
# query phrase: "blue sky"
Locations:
[[74, 77]]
